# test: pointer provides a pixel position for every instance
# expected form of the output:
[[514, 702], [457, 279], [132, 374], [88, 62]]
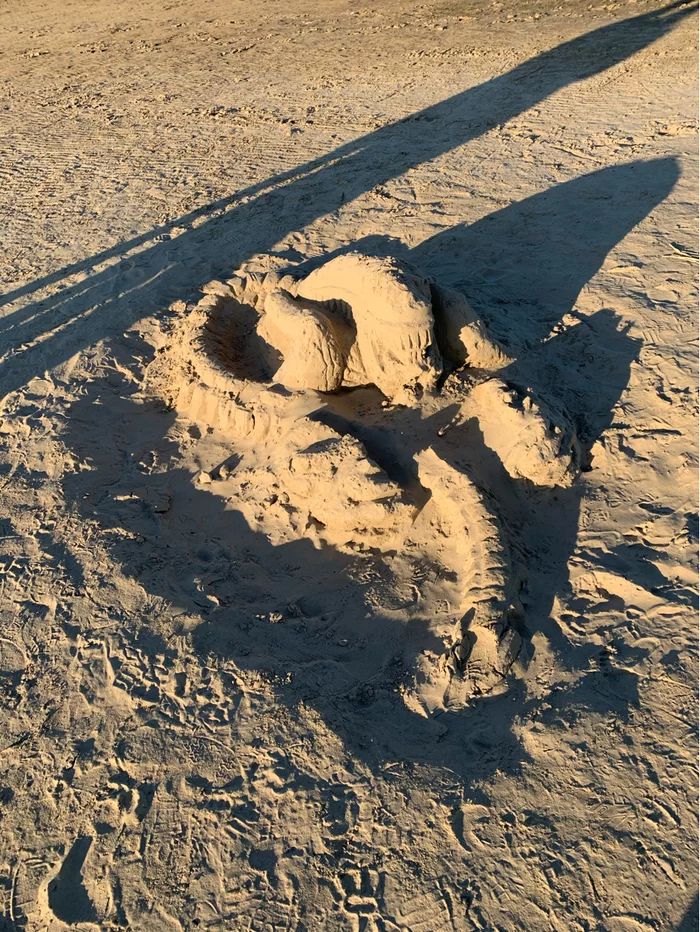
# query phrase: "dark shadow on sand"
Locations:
[[691, 921]]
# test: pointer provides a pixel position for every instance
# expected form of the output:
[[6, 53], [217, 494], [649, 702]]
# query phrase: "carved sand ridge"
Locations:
[[484, 645], [249, 361]]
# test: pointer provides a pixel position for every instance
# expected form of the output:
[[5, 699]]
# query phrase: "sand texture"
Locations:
[[348, 467]]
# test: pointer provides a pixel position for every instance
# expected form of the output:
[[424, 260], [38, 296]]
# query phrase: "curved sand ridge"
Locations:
[[250, 360]]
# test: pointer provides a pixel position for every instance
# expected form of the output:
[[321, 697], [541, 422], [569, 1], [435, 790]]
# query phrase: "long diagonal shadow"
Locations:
[[526, 265], [352, 684], [42, 334]]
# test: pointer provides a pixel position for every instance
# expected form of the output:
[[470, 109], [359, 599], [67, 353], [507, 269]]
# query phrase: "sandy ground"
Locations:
[[209, 717]]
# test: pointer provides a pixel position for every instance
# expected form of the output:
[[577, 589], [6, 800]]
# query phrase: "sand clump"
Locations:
[[386, 312], [308, 340], [530, 438], [312, 482], [462, 337]]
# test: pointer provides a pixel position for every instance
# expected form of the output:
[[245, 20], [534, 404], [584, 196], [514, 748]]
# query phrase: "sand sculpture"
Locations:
[[250, 361]]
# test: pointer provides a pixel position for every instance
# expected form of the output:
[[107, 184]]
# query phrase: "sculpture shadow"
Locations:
[[523, 268], [119, 285], [182, 544], [690, 921]]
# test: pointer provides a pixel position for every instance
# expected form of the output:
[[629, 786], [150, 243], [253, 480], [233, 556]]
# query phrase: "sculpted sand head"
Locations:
[[388, 319]]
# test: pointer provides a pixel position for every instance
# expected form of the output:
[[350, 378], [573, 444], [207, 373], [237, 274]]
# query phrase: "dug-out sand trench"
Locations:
[[261, 357]]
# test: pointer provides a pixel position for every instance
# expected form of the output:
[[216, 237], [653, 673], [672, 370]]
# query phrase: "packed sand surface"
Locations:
[[348, 456]]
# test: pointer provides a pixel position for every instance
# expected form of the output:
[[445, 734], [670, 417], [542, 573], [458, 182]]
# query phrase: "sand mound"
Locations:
[[312, 482], [532, 440], [388, 323], [356, 320], [249, 361]]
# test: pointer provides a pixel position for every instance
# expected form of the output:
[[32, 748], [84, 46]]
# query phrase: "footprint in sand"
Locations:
[[67, 897], [270, 361]]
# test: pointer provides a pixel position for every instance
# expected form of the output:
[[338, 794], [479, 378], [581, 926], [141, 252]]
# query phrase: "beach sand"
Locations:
[[417, 653]]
